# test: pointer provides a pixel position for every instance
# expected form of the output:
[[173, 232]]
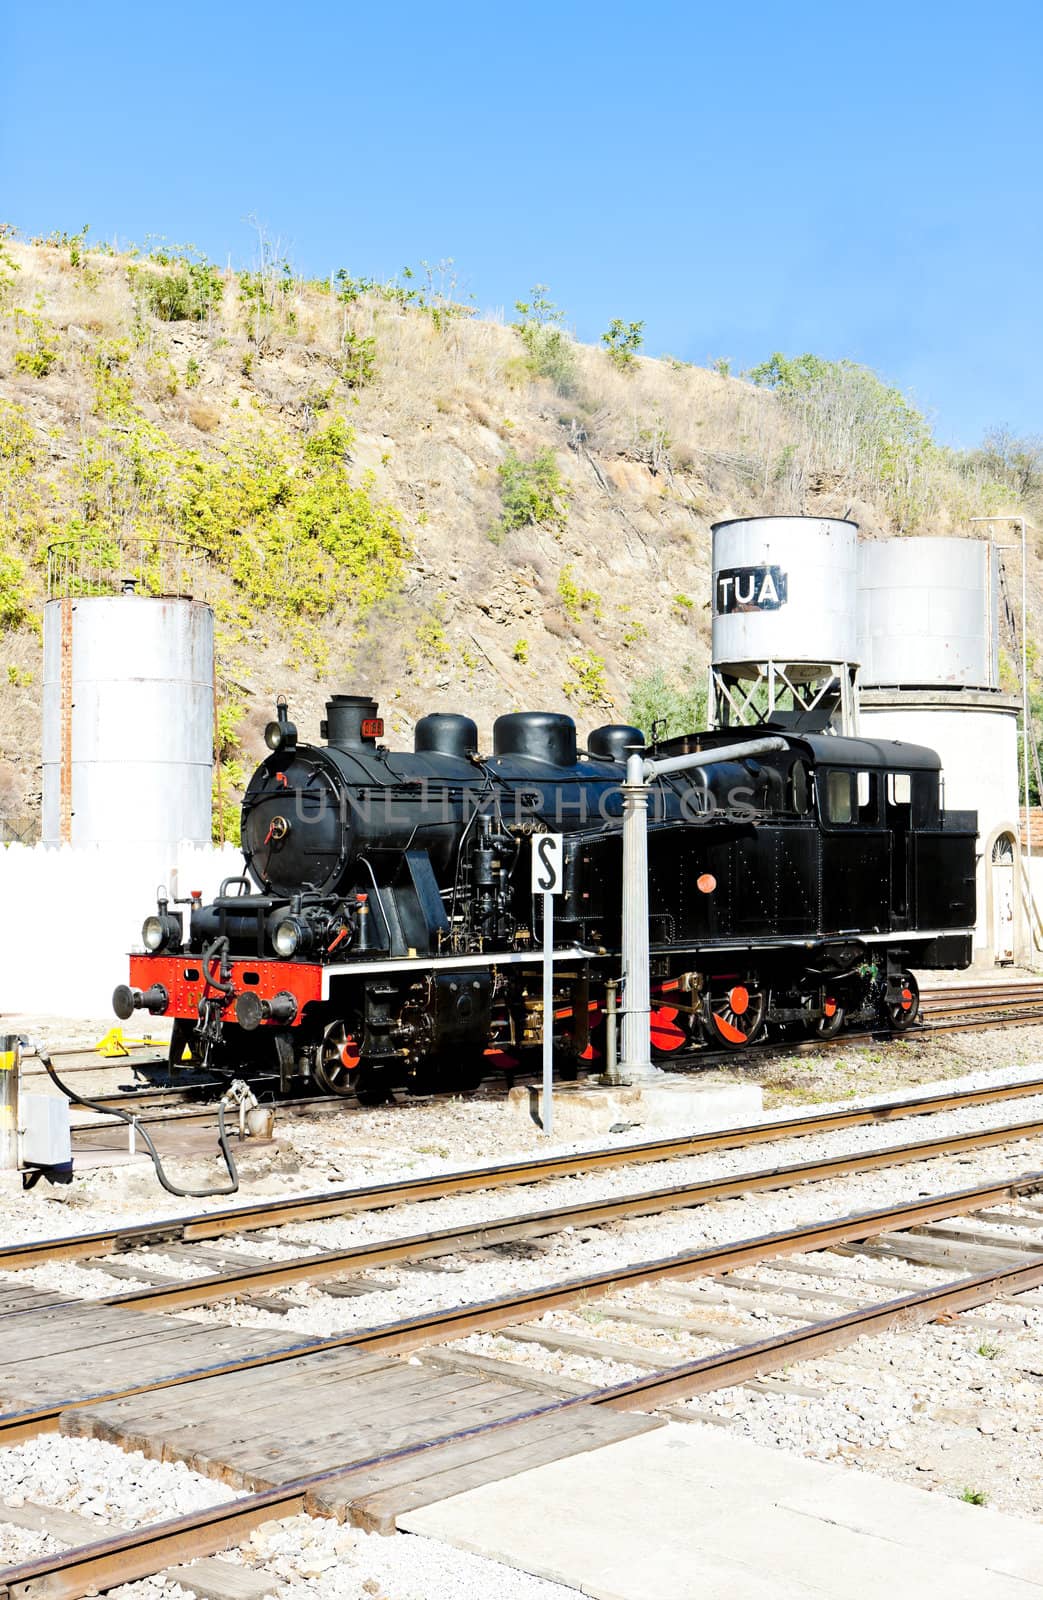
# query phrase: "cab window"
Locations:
[[840, 797], [852, 799]]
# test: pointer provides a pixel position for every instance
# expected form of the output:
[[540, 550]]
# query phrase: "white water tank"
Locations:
[[128, 720], [929, 612], [785, 589]]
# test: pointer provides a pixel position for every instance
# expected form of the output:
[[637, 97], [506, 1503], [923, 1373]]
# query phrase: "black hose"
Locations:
[[124, 1116]]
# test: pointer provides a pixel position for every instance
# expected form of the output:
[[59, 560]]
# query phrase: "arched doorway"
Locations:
[[1003, 916]]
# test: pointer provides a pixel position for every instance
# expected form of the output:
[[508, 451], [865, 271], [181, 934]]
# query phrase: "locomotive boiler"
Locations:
[[384, 930]]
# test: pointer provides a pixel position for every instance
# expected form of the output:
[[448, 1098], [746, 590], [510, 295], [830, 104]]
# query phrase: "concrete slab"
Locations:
[[689, 1512], [670, 1102]]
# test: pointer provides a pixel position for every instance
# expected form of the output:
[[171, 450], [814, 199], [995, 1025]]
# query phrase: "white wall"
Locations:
[[70, 913], [978, 749]]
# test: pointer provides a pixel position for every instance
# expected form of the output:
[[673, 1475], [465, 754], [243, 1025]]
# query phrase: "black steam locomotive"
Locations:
[[385, 930]]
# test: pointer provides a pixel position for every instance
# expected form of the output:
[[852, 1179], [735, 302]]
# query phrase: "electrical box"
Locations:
[[46, 1137]]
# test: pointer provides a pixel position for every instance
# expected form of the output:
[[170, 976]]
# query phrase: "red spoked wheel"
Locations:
[[336, 1070], [670, 1031], [903, 1012], [831, 1019], [733, 1015]]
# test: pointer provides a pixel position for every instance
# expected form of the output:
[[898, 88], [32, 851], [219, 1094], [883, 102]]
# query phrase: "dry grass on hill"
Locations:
[[109, 412]]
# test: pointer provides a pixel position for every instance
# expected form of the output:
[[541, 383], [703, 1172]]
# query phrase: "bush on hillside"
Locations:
[[664, 709], [532, 492], [548, 348], [190, 291]]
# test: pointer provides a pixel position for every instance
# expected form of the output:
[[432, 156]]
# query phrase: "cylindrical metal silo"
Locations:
[[785, 589], [127, 720], [928, 612], [785, 622]]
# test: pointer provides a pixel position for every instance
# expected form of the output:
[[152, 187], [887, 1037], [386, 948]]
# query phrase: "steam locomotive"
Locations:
[[384, 930]]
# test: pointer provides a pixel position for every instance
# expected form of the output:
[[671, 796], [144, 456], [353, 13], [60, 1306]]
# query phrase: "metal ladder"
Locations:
[[1029, 732], [1010, 616]]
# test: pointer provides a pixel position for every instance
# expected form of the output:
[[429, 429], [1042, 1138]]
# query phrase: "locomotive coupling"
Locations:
[[251, 1010], [125, 1000]]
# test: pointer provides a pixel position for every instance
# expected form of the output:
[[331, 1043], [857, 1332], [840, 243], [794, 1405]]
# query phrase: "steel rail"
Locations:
[[139, 1553], [266, 1275], [199, 1226], [743, 1362], [456, 1322]]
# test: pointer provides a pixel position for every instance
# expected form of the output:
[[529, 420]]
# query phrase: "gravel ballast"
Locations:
[[955, 1407]]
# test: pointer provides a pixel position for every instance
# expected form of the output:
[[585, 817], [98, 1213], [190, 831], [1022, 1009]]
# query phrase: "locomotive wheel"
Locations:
[[831, 1021], [670, 1031], [337, 1067], [733, 1017], [902, 1013]]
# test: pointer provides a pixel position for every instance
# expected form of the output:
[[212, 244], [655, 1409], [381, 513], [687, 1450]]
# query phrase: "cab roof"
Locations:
[[823, 749]]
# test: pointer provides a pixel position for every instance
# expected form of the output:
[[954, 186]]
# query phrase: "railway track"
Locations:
[[201, 1226], [261, 1276], [127, 1556], [432, 1338]]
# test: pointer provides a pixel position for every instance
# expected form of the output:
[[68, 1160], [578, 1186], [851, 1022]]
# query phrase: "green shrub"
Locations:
[[532, 492], [623, 340], [8, 269], [577, 600], [666, 709], [37, 343], [359, 362], [521, 651], [431, 635], [588, 687], [856, 424], [548, 348], [15, 600], [190, 291]]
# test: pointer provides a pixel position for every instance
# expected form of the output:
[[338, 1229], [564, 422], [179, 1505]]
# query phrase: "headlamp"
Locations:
[[287, 936], [163, 931]]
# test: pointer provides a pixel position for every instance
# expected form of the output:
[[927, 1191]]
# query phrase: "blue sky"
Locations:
[[860, 181]]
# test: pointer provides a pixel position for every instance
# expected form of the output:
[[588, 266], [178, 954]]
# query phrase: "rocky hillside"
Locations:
[[391, 493]]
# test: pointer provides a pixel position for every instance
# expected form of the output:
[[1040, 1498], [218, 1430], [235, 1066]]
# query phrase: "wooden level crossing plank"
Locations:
[[236, 1399], [555, 1381], [258, 1429], [375, 1497], [509, 1371], [91, 1358]]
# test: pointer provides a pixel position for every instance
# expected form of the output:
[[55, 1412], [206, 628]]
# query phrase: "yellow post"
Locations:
[[10, 1063]]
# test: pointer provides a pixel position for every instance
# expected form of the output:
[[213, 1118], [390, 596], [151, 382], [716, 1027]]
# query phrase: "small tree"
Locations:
[[667, 709], [532, 492], [548, 348], [623, 340]]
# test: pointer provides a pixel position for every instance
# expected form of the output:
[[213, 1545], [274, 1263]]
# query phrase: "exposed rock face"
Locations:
[[566, 612]]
